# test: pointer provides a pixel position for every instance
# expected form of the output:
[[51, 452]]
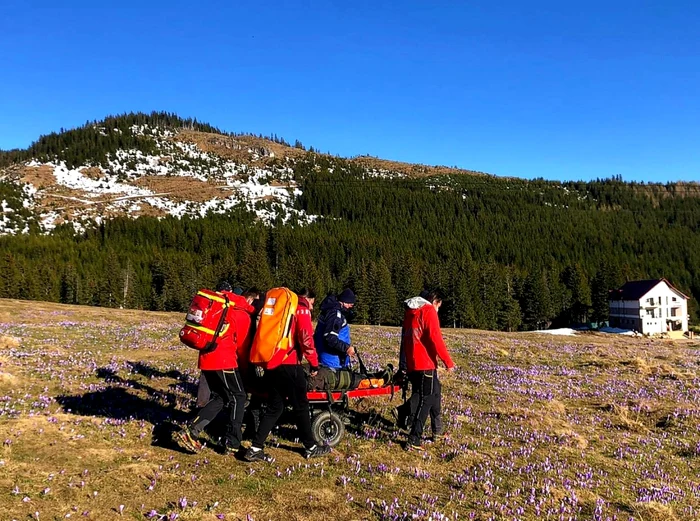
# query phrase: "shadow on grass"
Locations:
[[372, 420], [119, 402], [184, 381]]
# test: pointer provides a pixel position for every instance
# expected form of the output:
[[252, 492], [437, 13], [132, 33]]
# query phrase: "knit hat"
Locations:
[[223, 286], [347, 296]]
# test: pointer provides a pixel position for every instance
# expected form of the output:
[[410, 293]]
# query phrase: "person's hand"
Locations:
[[451, 369], [350, 351]]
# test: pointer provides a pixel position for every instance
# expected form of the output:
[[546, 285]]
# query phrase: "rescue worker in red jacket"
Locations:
[[243, 349], [220, 369], [422, 346], [288, 380]]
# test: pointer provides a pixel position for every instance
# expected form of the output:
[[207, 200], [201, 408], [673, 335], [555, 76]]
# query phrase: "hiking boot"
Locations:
[[400, 419], [439, 437], [253, 454], [316, 451], [231, 449], [188, 441], [413, 447]]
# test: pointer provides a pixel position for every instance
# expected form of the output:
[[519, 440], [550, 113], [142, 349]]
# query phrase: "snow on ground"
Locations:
[[268, 192], [7, 225], [564, 331], [383, 173], [75, 179], [617, 331]]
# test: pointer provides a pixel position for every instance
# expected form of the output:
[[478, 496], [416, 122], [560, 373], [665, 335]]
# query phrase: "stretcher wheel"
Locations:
[[327, 428]]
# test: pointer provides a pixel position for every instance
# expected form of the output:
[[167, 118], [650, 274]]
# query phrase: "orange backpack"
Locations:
[[206, 320], [273, 336]]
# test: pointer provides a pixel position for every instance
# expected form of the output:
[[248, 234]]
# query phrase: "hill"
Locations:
[[157, 165], [583, 427], [141, 210]]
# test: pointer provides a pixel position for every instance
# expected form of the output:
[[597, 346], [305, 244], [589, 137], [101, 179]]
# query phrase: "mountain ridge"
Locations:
[[160, 164], [126, 166]]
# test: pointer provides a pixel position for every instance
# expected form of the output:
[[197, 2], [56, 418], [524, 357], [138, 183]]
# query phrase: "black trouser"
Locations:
[[226, 391], [254, 384], [285, 381], [426, 400], [203, 392]]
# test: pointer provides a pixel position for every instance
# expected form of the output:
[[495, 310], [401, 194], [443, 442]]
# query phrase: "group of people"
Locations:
[[227, 374]]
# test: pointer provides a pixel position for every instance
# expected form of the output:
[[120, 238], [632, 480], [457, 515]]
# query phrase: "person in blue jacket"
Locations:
[[332, 335]]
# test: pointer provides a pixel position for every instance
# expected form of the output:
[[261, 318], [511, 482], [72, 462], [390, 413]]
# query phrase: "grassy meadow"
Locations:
[[595, 426]]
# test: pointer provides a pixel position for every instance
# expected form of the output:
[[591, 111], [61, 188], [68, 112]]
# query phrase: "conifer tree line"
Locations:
[[508, 254], [94, 141]]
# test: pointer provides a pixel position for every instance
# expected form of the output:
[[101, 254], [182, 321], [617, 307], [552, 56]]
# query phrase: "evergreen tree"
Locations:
[[600, 288], [69, 285], [254, 270], [509, 314], [535, 301], [382, 294], [10, 277], [359, 281], [111, 283]]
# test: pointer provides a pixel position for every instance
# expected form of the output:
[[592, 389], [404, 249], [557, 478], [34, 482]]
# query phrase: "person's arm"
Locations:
[[244, 339], [402, 352], [305, 339], [334, 324], [435, 340]]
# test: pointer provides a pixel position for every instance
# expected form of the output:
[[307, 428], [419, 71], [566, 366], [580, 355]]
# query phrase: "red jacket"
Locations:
[[302, 336], [234, 343], [421, 339]]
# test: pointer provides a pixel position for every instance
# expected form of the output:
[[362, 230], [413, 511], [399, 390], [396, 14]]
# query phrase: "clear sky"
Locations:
[[554, 89]]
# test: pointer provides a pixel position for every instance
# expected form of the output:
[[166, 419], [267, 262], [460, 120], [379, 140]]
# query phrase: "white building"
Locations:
[[651, 307]]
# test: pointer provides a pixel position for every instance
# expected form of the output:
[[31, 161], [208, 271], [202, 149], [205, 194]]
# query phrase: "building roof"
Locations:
[[636, 289]]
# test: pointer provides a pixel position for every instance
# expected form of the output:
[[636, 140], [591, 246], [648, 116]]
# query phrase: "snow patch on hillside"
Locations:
[[564, 331], [105, 192]]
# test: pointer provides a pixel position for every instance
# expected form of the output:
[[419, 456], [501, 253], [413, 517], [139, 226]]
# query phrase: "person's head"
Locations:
[[433, 296], [347, 298], [309, 294], [224, 285], [251, 295]]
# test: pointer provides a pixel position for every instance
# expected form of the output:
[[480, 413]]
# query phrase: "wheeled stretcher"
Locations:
[[330, 409]]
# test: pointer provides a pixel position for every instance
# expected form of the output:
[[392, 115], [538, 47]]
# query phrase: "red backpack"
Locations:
[[205, 320]]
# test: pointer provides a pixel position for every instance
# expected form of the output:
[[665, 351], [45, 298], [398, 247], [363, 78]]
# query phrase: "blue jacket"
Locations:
[[332, 336]]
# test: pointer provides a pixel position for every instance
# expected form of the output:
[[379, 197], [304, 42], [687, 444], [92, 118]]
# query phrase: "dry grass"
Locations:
[[180, 188], [410, 169], [587, 427], [41, 177], [92, 172], [8, 342], [236, 148], [653, 511]]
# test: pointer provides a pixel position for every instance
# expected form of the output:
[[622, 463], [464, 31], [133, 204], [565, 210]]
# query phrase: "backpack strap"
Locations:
[[212, 343], [363, 369]]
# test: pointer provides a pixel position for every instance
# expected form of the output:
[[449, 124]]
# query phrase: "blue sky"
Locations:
[[559, 90]]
